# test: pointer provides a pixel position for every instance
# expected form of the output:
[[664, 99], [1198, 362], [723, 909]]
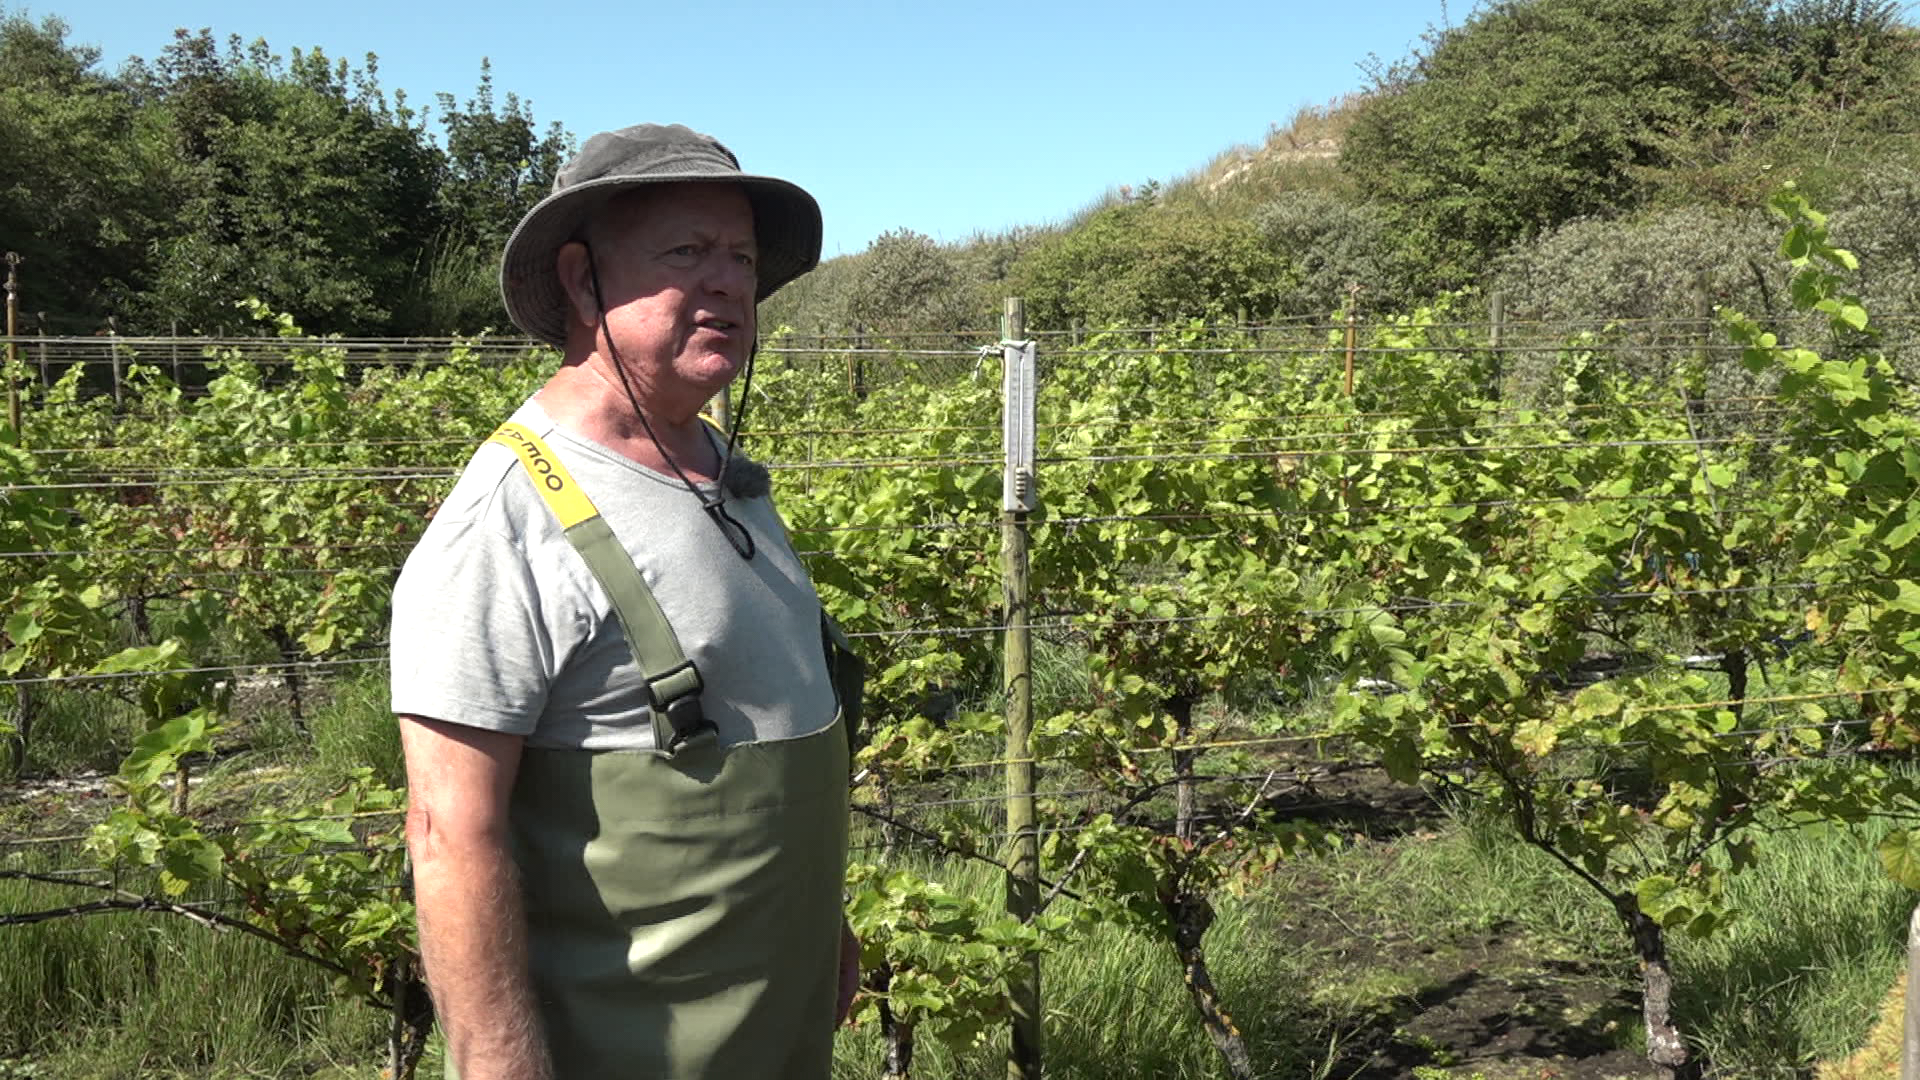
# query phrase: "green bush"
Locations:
[[1537, 112], [1138, 263], [1633, 283], [1330, 242], [1881, 224]]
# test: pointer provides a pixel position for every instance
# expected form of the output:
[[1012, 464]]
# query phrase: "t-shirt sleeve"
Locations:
[[474, 640]]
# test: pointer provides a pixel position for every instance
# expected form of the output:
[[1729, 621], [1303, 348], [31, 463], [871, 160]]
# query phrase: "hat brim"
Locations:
[[786, 226]]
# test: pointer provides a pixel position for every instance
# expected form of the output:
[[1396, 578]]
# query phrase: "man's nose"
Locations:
[[728, 276]]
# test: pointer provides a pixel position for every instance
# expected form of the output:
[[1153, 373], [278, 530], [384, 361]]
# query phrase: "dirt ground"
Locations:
[[1491, 1004]]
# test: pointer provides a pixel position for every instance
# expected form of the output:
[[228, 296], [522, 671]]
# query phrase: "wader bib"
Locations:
[[683, 904]]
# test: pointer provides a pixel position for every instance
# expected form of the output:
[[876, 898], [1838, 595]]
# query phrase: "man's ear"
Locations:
[[576, 278]]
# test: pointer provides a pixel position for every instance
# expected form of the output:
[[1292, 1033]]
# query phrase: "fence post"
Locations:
[[857, 363], [1496, 341], [113, 353], [173, 332], [13, 350], [1018, 497], [1910, 1041], [1353, 329], [1703, 336], [40, 322]]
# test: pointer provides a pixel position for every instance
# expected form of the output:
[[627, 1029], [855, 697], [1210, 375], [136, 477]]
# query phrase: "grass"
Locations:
[[73, 731], [122, 995]]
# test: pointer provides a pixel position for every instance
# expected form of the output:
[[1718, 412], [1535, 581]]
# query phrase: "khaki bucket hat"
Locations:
[[786, 220]]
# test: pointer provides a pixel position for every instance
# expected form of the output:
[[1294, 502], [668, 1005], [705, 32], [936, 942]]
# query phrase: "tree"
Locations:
[[1532, 113], [86, 187], [304, 188], [498, 163], [497, 166], [1535, 112], [1135, 263]]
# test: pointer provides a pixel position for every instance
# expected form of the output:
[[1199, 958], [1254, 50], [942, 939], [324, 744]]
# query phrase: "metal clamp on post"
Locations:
[[1018, 383]]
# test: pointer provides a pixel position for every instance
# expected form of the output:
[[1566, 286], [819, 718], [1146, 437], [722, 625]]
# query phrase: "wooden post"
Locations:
[[173, 332], [1703, 335], [856, 363], [722, 410], [113, 353], [40, 322], [1352, 331], [1910, 1041], [1696, 388], [1023, 862], [1353, 341], [13, 351], [1496, 340]]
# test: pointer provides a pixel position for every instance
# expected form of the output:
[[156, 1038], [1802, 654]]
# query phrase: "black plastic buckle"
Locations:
[[686, 718]]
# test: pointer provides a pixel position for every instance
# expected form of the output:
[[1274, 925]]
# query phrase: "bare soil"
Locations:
[[1495, 1002]]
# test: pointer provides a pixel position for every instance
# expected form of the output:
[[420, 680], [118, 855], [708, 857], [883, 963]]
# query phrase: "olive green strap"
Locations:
[[673, 683], [847, 672]]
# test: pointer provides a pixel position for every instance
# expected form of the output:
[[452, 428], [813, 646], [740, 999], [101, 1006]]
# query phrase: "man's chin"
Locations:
[[713, 372]]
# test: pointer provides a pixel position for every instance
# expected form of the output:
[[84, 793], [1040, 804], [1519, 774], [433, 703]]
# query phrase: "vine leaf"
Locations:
[[1900, 855]]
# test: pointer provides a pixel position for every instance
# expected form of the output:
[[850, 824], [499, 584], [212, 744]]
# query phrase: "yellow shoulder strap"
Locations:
[[550, 478], [672, 679]]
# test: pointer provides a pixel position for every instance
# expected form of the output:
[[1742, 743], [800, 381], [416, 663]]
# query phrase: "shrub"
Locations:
[[1138, 263], [1330, 242]]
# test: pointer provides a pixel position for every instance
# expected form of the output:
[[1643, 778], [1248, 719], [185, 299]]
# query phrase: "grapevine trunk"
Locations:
[[1191, 915], [1666, 1046]]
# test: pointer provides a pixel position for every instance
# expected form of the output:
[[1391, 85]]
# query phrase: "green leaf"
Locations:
[[23, 627], [1660, 897], [1385, 633], [1907, 598], [1597, 700], [1900, 855], [317, 641], [1402, 760], [1536, 737]]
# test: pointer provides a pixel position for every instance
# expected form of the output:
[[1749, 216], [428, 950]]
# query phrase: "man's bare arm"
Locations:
[[472, 925]]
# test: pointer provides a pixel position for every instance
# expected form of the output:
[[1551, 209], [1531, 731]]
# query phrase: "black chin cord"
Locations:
[[716, 507]]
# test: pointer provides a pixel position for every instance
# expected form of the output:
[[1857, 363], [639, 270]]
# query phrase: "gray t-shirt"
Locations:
[[498, 623]]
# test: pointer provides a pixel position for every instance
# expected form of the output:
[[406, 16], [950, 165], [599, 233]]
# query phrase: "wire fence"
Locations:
[[1524, 348], [943, 806]]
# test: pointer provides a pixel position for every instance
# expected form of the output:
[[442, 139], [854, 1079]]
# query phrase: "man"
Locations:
[[628, 790]]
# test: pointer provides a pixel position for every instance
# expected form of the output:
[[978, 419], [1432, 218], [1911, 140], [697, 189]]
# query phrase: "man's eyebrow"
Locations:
[[708, 237]]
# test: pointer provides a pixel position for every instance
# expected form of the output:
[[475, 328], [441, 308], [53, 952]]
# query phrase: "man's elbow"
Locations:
[[437, 837]]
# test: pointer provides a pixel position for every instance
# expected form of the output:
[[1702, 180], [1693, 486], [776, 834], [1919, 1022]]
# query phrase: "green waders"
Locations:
[[683, 905]]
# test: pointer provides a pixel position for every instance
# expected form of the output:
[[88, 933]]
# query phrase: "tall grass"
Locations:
[[124, 995]]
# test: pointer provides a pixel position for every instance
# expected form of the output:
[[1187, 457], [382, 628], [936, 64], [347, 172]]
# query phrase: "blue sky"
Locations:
[[943, 118]]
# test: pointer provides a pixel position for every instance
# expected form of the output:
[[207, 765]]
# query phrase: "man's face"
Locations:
[[677, 272]]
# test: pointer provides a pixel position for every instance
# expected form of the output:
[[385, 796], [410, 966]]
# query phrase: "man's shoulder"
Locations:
[[490, 490], [482, 492]]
